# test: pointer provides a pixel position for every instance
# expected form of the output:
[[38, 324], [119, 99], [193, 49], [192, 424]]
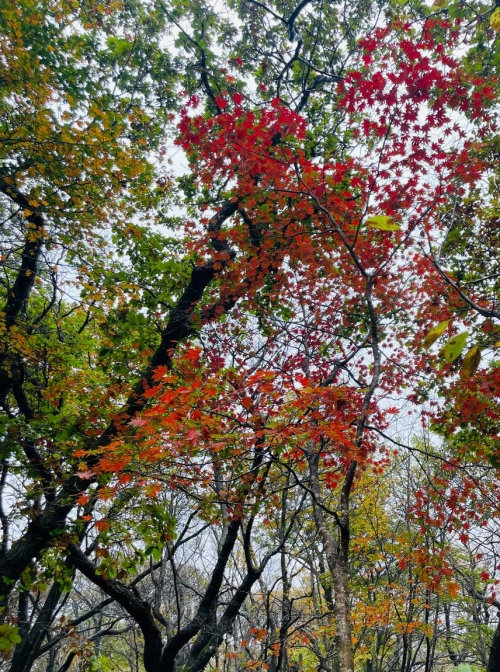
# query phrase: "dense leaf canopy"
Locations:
[[249, 307]]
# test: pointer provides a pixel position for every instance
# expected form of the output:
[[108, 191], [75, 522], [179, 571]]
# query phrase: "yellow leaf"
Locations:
[[495, 20], [471, 361], [454, 346], [439, 4], [432, 335], [383, 223]]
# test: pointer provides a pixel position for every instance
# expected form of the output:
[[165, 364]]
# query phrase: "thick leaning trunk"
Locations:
[[39, 535]]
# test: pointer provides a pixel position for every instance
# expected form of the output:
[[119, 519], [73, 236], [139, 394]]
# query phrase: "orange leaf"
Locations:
[[101, 525]]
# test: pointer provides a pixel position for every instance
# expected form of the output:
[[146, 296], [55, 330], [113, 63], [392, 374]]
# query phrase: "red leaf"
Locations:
[[85, 475], [137, 422], [193, 435], [159, 372]]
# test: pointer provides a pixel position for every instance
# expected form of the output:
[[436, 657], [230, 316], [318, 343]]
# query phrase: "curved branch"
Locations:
[[40, 531], [19, 293], [23, 284], [140, 610], [472, 304]]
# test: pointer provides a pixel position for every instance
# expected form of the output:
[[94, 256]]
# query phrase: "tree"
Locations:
[[174, 383]]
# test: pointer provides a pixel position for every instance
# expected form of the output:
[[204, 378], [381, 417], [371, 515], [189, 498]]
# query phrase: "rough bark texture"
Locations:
[[337, 557]]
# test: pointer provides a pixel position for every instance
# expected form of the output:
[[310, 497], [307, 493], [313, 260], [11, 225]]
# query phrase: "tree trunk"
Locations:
[[342, 612], [494, 657], [337, 558]]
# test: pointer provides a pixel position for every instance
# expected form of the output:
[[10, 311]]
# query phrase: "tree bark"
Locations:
[[494, 657], [337, 558]]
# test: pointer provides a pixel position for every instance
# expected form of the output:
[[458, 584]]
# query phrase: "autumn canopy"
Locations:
[[250, 324]]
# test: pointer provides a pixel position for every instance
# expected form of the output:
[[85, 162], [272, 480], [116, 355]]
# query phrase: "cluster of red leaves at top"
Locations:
[[402, 100]]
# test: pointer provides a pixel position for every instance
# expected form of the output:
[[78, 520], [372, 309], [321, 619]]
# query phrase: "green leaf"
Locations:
[[118, 46], [383, 222], [454, 346], [9, 635], [432, 335], [5, 645], [156, 553]]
